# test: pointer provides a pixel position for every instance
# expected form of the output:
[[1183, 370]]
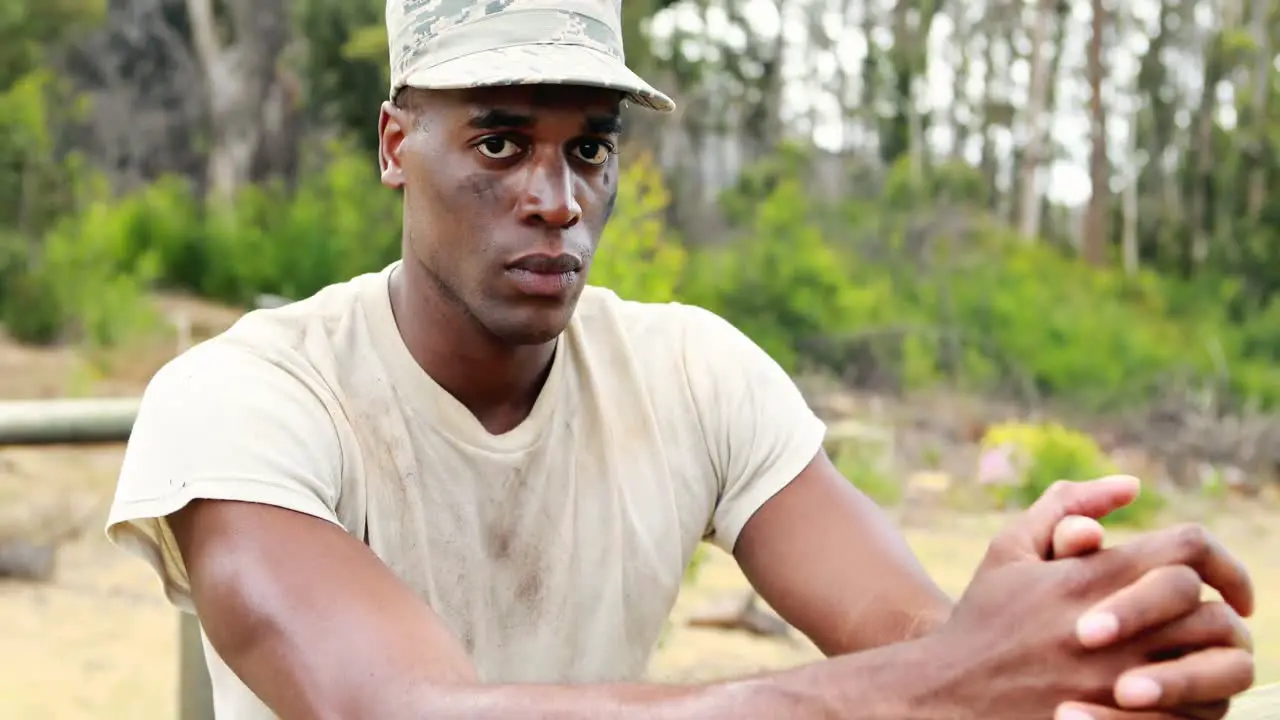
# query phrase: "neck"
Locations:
[[498, 383]]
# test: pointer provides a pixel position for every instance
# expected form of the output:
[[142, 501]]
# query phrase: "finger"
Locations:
[[1191, 545], [1162, 595], [1212, 624], [1076, 536], [1084, 711], [1208, 676], [1031, 535], [1205, 711]]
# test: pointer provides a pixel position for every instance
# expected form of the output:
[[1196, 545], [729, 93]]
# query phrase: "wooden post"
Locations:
[[195, 696]]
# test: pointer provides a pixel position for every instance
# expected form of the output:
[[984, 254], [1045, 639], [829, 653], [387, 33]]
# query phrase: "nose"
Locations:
[[548, 197]]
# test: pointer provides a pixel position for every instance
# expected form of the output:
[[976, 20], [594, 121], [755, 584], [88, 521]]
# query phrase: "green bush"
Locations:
[[1043, 454], [859, 463], [339, 222], [781, 283], [86, 280], [639, 258], [887, 287]]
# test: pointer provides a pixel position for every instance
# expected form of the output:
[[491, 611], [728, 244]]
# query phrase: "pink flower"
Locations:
[[995, 467]]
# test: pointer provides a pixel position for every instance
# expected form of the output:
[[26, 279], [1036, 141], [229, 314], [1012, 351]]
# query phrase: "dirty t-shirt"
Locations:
[[555, 551]]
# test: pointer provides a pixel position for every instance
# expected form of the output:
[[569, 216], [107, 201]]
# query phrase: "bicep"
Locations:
[[229, 490], [305, 614], [817, 549], [829, 560]]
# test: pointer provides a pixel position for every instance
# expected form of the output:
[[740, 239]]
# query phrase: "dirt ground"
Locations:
[[99, 640]]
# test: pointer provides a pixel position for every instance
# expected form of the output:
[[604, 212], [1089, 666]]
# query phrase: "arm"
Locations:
[[816, 548], [317, 627], [229, 490], [826, 557]]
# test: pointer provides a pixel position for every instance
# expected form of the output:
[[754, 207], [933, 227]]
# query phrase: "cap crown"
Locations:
[[425, 33]]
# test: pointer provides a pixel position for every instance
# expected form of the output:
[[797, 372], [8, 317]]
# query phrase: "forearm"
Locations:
[[892, 682], [884, 625]]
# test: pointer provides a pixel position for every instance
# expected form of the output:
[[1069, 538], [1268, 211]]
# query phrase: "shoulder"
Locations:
[[671, 327], [681, 348], [293, 342], [273, 366], [297, 325]]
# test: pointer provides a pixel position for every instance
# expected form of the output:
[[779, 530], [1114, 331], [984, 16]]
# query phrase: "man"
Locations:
[[468, 485]]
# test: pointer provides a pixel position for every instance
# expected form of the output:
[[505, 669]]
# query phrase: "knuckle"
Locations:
[[1219, 620], [1077, 579], [1193, 540], [1181, 584], [1001, 548], [1059, 489], [1243, 671]]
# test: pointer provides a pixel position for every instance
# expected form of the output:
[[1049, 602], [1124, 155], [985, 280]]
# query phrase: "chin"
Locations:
[[536, 327]]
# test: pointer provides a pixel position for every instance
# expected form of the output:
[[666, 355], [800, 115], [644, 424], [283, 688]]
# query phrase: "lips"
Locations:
[[545, 275]]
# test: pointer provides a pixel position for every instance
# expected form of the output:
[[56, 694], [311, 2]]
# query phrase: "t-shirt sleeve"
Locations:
[[220, 423], [760, 431]]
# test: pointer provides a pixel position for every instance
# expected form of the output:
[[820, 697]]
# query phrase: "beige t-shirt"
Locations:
[[554, 551]]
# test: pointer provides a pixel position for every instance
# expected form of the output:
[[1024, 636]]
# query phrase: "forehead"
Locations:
[[533, 101]]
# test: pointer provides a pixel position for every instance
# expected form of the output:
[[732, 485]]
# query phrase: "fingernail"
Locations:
[[1137, 691], [1095, 629], [1071, 713]]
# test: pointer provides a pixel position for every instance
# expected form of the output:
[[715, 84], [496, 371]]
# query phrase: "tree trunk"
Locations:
[[1033, 150], [241, 79], [1262, 71], [1093, 247]]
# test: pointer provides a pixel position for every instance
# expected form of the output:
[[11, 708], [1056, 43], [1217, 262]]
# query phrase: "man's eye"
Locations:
[[497, 148], [594, 152]]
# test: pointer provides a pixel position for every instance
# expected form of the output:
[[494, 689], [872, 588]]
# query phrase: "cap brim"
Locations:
[[539, 64]]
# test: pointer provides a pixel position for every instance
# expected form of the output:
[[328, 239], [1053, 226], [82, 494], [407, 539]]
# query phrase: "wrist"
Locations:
[[916, 679], [944, 681]]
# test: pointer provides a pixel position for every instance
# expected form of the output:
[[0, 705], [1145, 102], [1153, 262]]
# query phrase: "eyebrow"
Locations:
[[604, 125], [494, 119]]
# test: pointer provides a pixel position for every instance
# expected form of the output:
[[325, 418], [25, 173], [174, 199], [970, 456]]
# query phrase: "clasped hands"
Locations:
[[1145, 645]]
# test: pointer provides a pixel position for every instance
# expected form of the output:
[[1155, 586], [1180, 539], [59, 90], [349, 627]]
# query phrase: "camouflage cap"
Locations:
[[451, 44]]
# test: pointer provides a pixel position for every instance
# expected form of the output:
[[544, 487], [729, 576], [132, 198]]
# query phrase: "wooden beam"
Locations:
[[41, 422], [109, 420], [1260, 703]]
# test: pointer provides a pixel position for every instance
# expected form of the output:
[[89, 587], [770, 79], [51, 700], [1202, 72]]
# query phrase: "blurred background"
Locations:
[[997, 243]]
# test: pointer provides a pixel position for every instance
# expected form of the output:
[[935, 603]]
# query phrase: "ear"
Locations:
[[393, 126]]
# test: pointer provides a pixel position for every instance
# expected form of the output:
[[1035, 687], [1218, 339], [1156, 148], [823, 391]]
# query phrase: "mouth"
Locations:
[[551, 276]]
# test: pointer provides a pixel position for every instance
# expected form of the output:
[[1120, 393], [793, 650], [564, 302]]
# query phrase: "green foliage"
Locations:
[[345, 72], [638, 257], [880, 289], [88, 280], [782, 284], [858, 463], [339, 222], [1043, 454], [915, 295]]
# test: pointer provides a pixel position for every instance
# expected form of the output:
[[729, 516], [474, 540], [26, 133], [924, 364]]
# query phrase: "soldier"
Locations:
[[468, 485]]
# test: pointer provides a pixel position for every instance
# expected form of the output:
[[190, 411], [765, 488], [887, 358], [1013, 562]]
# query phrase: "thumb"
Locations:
[[1031, 535], [1076, 536]]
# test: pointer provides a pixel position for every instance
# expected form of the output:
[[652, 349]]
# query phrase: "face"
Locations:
[[506, 193]]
